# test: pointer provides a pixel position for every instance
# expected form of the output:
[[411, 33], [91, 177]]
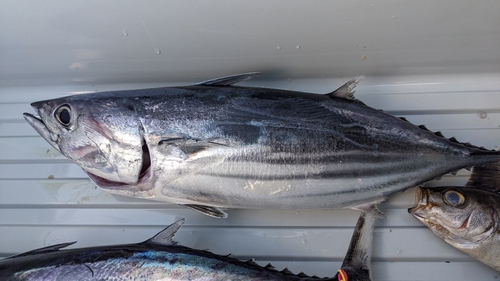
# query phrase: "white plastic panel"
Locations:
[[435, 62]]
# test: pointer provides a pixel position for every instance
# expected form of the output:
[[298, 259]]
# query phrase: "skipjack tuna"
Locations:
[[214, 145], [467, 218], [158, 258]]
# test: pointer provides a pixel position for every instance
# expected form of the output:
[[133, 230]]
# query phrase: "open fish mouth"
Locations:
[[421, 202], [144, 174]]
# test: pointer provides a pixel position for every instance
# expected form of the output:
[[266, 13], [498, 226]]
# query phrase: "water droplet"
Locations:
[[124, 32], [50, 177], [297, 47], [482, 115], [304, 241], [158, 51], [394, 17], [364, 46], [278, 47], [297, 213], [355, 45], [362, 57], [351, 23], [372, 5]]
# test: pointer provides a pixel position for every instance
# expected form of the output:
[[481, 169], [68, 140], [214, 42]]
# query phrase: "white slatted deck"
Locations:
[[436, 63]]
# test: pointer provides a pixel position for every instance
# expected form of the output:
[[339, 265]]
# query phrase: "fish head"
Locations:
[[462, 216], [102, 135]]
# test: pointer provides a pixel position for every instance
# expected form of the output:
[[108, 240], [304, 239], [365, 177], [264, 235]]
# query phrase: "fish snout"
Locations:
[[42, 129]]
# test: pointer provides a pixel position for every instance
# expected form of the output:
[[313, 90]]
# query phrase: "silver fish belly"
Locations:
[[214, 145]]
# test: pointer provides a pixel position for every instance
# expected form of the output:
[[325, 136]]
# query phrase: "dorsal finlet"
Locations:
[[166, 236], [229, 80], [346, 91]]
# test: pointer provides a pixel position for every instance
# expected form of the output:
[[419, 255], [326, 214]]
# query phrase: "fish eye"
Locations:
[[63, 115], [454, 198]]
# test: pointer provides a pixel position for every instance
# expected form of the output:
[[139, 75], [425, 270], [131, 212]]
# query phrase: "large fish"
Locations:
[[467, 218], [214, 145], [160, 258]]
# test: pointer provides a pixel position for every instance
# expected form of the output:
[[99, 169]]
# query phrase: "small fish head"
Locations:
[[460, 216], [99, 135]]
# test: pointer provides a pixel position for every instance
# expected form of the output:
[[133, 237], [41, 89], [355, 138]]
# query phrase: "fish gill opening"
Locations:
[[146, 160]]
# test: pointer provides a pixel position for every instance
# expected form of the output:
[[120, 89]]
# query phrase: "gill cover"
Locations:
[[104, 138]]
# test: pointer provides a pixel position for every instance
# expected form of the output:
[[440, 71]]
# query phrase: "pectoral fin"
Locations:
[[187, 147], [208, 210]]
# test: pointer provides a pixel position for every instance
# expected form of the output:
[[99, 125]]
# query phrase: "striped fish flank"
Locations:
[[214, 145]]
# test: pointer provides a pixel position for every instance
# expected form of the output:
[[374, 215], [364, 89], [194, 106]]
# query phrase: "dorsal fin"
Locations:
[[229, 80], [166, 236], [48, 249], [346, 91]]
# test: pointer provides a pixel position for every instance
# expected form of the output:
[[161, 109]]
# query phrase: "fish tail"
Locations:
[[486, 177]]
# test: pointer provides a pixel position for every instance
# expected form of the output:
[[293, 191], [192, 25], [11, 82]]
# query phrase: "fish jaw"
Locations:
[[423, 211], [453, 227], [42, 129]]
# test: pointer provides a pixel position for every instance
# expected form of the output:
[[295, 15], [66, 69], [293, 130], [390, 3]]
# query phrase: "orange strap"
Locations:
[[342, 275]]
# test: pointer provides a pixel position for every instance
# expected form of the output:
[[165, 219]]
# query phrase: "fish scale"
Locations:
[[206, 145], [158, 258]]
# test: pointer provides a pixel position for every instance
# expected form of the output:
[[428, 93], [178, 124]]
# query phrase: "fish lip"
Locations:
[[421, 200], [42, 129]]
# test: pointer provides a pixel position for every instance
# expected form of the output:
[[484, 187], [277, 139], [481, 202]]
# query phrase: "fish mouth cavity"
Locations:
[[421, 201]]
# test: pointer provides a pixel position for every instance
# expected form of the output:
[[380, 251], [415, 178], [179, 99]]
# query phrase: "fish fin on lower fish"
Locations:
[[357, 261], [485, 177], [207, 210], [48, 249], [346, 91], [229, 80], [371, 208], [166, 236]]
